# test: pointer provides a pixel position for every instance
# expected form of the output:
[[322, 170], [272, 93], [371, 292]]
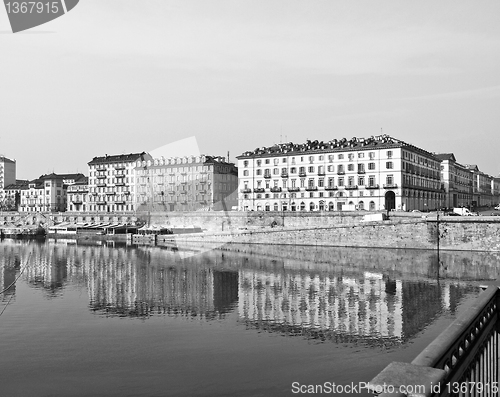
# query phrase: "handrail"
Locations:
[[450, 358]]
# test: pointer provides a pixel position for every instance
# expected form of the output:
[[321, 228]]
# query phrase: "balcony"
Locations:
[[331, 188], [275, 189], [120, 202], [100, 168], [101, 184], [267, 176], [102, 202], [302, 174], [351, 187], [340, 172], [390, 186], [311, 188], [258, 190], [294, 189], [120, 184], [284, 175], [372, 187], [361, 172], [110, 193], [77, 201], [321, 173], [101, 177], [246, 190], [119, 167]]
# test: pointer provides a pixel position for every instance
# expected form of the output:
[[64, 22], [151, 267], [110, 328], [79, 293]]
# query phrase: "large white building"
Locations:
[[376, 173], [112, 182], [457, 180], [186, 183]]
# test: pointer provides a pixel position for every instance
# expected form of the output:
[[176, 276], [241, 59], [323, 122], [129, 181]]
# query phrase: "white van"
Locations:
[[464, 212]]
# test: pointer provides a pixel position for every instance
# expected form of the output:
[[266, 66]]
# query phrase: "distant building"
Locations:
[[47, 193], [7, 176], [376, 173], [12, 198], [186, 184], [482, 187], [77, 196], [457, 180], [112, 182]]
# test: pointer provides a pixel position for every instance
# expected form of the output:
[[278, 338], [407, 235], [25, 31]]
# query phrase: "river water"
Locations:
[[110, 320]]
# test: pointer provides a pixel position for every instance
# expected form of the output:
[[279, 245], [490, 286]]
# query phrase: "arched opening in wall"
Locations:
[[321, 205], [284, 206], [276, 207], [259, 207], [372, 206], [331, 206], [311, 206], [267, 207], [293, 206], [390, 200], [361, 206], [302, 206]]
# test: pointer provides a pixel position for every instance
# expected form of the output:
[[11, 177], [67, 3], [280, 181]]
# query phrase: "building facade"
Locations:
[[12, 197], [48, 193], [457, 180], [188, 183], [111, 182], [78, 196], [482, 187], [377, 173], [7, 176]]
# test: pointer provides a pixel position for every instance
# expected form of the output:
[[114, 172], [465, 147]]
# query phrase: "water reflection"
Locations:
[[336, 294]]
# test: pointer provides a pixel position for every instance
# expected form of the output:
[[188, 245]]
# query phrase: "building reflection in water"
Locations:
[[339, 294]]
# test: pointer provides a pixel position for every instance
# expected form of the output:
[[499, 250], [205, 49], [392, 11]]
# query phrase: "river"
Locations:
[[92, 319]]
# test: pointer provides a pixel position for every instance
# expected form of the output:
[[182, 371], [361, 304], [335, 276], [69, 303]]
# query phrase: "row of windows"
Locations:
[[330, 182], [389, 165], [321, 157]]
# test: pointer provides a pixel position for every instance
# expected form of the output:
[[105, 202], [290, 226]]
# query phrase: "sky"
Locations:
[[121, 76]]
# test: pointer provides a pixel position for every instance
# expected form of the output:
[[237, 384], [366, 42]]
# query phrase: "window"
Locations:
[[389, 165], [311, 183], [350, 167], [351, 156], [350, 181], [389, 154], [245, 163], [331, 182], [371, 181], [311, 169], [245, 173], [331, 157], [390, 180], [276, 161], [371, 166], [284, 160], [330, 168], [259, 163], [259, 172], [341, 181], [268, 161], [321, 158], [361, 181], [302, 170], [293, 170], [361, 168], [293, 182], [361, 155], [302, 182], [276, 171], [371, 155], [340, 168], [311, 159], [321, 182]]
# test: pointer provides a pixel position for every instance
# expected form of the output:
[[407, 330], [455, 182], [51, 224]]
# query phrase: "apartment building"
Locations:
[[482, 187], [457, 180], [111, 182], [376, 173], [47, 193], [7, 176], [189, 183], [12, 196], [78, 196]]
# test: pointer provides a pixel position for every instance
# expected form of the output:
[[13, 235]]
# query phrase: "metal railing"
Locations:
[[461, 361]]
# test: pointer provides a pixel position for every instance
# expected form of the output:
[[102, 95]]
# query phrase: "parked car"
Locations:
[[497, 207]]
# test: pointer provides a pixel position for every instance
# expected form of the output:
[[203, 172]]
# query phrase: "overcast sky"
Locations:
[[120, 76]]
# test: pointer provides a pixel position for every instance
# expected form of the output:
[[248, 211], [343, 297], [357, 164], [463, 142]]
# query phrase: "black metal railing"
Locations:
[[461, 361]]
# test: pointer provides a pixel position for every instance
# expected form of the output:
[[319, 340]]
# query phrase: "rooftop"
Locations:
[[120, 158], [335, 145]]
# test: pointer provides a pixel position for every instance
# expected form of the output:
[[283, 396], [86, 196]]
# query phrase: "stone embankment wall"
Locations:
[[478, 234]]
